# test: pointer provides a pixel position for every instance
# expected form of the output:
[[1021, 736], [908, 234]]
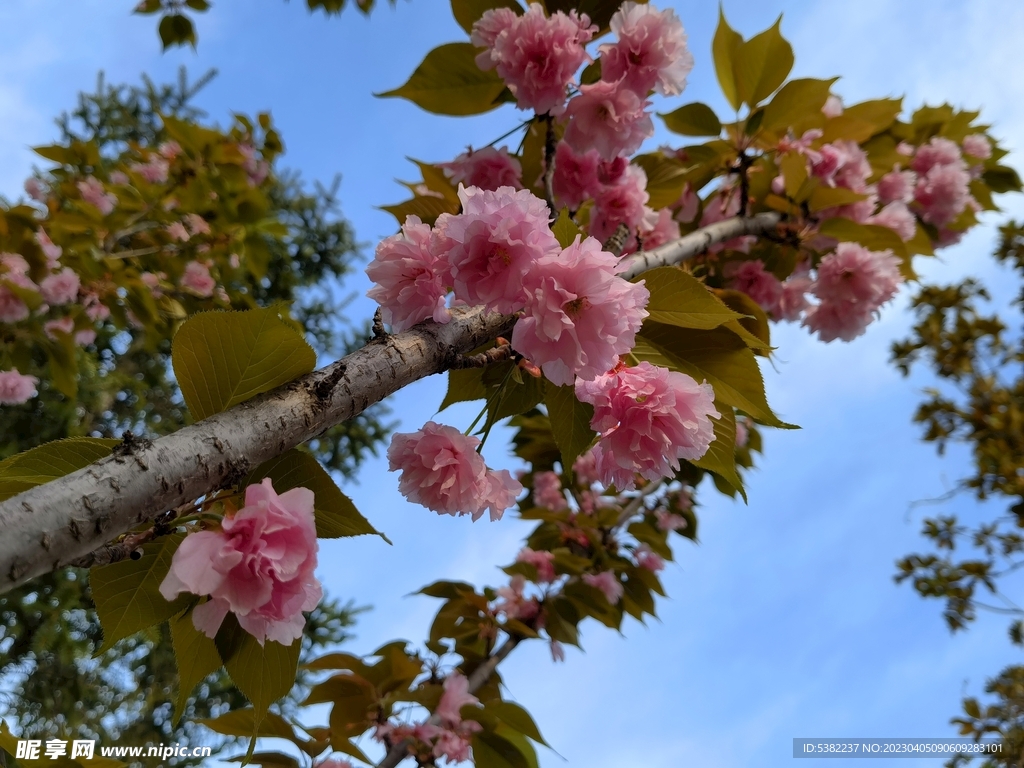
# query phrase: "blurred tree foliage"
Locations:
[[127, 694], [978, 358]]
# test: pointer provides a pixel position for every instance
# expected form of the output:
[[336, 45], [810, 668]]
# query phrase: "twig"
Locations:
[[550, 144]]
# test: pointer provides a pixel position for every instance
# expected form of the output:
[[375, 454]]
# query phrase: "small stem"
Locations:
[[550, 144], [509, 133]]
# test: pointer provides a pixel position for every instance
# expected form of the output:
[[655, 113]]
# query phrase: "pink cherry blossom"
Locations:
[[120, 178], [547, 491], [897, 217], [897, 185], [575, 177], [196, 224], [543, 561], [977, 145], [853, 273], [60, 287], [53, 327], [665, 230], [514, 603], [452, 747], [942, 192], [623, 202], [669, 521], [536, 56], [409, 278], [95, 309], [608, 117], [742, 433], [154, 171], [585, 469], [833, 106], [487, 168], [557, 651], [12, 308], [197, 279], [456, 696], [50, 251], [259, 566], [938, 151], [580, 315], [92, 192], [726, 205], [648, 418], [793, 299], [759, 284], [688, 204], [16, 388], [646, 558], [442, 471], [169, 149], [492, 245], [85, 337], [178, 232], [608, 583], [36, 189], [650, 51], [833, 320]]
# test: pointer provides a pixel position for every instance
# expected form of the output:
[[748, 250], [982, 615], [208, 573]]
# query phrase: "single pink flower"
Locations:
[[536, 56], [669, 521], [120, 178], [92, 192], [543, 561], [833, 106], [456, 696], [154, 171], [688, 204], [608, 583], [726, 205], [759, 284], [648, 418], [650, 52], [85, 337], [623, 202], [978, 146], [942, 193], [580, 315], [853, 273], [197, 279], [487, 168], [607, 117], [665, 230], [897, 217], [53, 327], [833, 320], [12, 308], [896, 186], [36, 189], [514, 603], [938, 151], [178, 232], [793, 299], [410, 279], [547, 491], [16, 388], [95, 309], [557, 651], [575, 177], [492, 245], [585, 469], [169, 149], [196, 224], [61, 287], [646, 558], [50, 251], [259, 566], [442, 471], [453, 747]]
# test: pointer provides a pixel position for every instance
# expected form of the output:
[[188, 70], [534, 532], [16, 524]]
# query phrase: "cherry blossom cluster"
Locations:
[[257, 564]]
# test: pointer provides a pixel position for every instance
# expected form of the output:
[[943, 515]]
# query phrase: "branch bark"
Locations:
[[52, 525]]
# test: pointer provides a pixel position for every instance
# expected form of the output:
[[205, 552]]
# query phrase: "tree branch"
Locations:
[[52, 525]]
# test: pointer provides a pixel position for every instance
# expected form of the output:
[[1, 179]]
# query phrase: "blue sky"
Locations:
[[784, 622]]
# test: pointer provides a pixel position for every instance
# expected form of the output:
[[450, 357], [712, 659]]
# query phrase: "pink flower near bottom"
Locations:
[[762, 286], [487, 168], [61, 287], [543, 561], [608, 583], [648, 418], [16, 388], [442, 471], [646, 558], [198, 280], [259, 566], [456, 695]]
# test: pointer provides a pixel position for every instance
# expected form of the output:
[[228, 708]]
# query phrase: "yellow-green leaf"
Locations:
[[448, 82], [695, 119], [565, 229], [680, 299], [224, 358], [49, 461], [336, 515], [428, 208], [127, 593], [725, 48], [762, 65], [796, 101], [570, 422], [196, 657], [721, 454], [242, 722]]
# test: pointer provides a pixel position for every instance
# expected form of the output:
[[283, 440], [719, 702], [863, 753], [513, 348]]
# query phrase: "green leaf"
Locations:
[[666, 177], [198, 5], [725, 48], [63, 364], [196, 657], [242, 722], [493, 751], [795, 101], [127, 593], [721, 454], [516, 718], [695, 119], [1002, 179], [565, 229], [49, 461], [862, 121], [176, 29], [224, 358], [719, 356], [466, 12], [570, 422], [428, 208], [762, 65], [871, 236], [823, 197], [753, 326], [264, 673], [464, 385], [448, 82], [336, 515], [680, 299]]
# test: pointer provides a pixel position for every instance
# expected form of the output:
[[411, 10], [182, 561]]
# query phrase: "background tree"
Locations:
[[48, 630]]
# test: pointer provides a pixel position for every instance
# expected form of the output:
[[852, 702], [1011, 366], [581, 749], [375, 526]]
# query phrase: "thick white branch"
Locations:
[[53, 524]]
